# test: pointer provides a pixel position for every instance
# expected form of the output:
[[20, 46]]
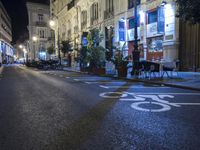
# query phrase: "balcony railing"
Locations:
[[41, 24], [51, 38], [108, 14]]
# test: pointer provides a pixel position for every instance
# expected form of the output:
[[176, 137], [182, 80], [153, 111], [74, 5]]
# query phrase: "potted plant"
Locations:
[[121, 63], [95, 53]]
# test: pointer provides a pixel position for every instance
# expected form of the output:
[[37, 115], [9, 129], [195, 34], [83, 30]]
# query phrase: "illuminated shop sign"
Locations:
[[155, 44], [131, 34]]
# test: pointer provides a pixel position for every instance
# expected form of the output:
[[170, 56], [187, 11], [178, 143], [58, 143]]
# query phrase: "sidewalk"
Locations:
[[185, 80]]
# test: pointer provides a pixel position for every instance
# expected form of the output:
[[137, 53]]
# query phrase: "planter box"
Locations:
[[99, 71], [84, 69], [122, 71]]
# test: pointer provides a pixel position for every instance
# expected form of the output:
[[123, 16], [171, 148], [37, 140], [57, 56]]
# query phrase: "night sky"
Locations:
[[18, 13]]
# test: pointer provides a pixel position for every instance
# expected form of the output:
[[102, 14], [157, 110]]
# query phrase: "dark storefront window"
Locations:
[[152, 17], [131, 3], [132, 22]]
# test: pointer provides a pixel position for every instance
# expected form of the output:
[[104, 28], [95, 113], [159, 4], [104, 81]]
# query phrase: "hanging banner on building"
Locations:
[[84, 39], [161, 20], [131, 34], [152, 29], [121, 31]]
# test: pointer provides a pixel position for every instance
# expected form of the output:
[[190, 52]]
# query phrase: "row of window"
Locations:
[[151, 16], [6, 29], [5, 48]]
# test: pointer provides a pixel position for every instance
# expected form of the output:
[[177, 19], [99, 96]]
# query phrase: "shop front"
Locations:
[[131, 38]]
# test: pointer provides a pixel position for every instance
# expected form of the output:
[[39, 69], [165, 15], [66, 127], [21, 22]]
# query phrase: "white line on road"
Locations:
[[186, 103], [130, 87], [92, 80], [76, 79], [195, 94], [113, 82], [67, 77], [105, 87]]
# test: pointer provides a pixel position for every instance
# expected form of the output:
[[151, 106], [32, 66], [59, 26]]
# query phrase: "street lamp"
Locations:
[[23, 48], [135, 52], [35, 39], [163, 3], [20, 46], [52, 24]]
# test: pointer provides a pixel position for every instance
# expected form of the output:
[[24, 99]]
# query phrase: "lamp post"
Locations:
[[52, 24], [23, 48], [135, 52], [35, 39]]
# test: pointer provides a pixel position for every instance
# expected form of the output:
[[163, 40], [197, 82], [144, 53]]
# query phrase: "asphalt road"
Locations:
[[59, 110]]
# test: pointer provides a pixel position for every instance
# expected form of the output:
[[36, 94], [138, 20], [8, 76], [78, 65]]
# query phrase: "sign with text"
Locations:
[[152, 29], [131, 34]]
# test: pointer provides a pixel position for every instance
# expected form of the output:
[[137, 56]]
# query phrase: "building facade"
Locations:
[[6, 49], [158, 35], [41, 36]]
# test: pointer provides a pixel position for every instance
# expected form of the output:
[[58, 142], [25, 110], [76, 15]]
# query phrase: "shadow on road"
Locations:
[[81, 130]]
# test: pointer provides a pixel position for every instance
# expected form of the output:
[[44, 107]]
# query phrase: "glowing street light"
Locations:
[[34, 38], [24, 49], [21, 46], [52, 23]]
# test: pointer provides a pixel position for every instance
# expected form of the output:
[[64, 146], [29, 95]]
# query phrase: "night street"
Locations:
[[67, 110]]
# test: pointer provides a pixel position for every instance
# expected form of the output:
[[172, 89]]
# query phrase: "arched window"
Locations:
[[109, 5], [94, 12], [83, 19]]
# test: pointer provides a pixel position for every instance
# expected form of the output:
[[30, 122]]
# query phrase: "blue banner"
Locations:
[[84, 41], [161, 19], [121, 31]]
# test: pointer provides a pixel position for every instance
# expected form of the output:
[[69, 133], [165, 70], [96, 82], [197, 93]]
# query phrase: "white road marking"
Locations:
[[88, 82], [163, 108], [135, 93], [76, 79], [186, 103], [105, 87], [129, 87], [113, 82], [67, 77], [142, 101]]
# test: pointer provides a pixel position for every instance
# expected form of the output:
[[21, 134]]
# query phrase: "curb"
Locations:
[[139, 80], [1, 70]]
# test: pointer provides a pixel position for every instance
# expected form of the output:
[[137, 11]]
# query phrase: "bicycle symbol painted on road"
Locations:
[[140, 101]]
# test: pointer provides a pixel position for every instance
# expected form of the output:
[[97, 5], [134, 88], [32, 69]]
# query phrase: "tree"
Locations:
[[94, 38], [95, 54], [189, 10], [51, 50], [66, 47]]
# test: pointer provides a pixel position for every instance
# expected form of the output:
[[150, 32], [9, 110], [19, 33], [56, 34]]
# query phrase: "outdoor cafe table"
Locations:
[[163, 65]]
